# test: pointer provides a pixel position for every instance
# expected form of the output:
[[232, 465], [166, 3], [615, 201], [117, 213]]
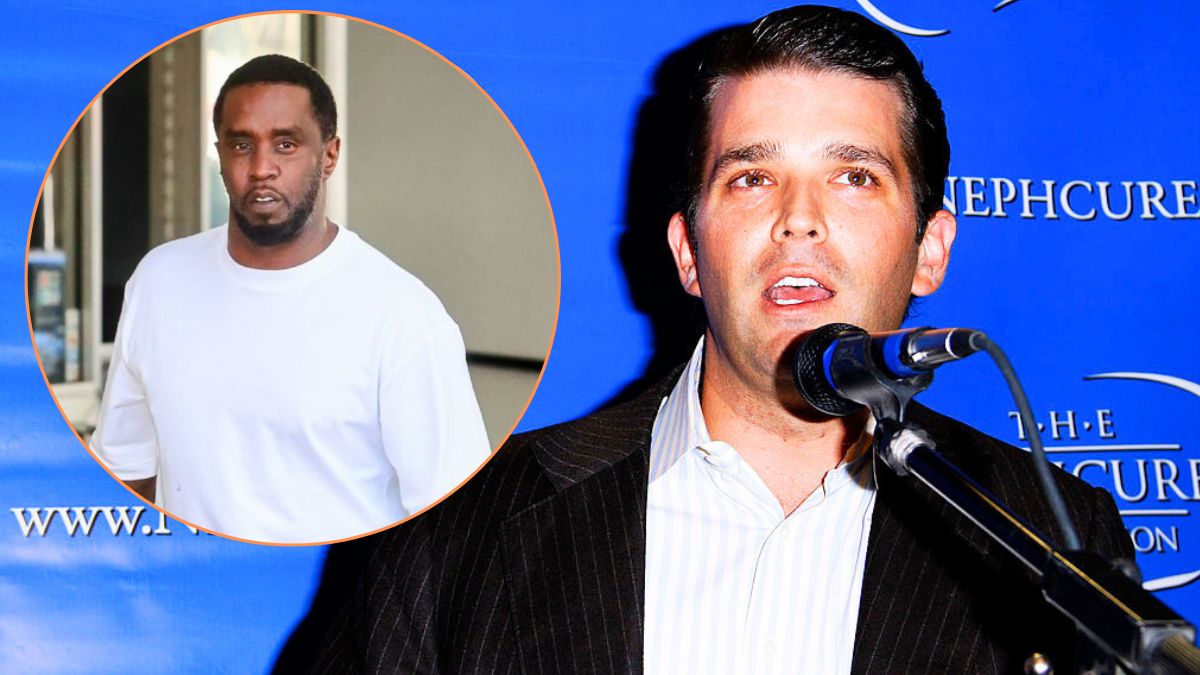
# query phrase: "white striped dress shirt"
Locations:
[[732, 585]]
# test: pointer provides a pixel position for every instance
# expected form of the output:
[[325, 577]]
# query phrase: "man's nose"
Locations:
[[263, 166], [800, 215]]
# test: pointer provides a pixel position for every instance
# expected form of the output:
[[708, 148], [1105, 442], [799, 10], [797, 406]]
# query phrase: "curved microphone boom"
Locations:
[[840, 367]]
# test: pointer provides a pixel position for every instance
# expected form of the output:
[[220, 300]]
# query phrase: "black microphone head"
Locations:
[[809, 371]]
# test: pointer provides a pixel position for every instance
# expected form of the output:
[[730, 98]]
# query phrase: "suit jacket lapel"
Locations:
[[576, 562], [575, 566], [917, 549]]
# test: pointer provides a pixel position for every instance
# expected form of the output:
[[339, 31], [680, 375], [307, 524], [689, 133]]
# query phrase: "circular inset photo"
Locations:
[[292, 278]]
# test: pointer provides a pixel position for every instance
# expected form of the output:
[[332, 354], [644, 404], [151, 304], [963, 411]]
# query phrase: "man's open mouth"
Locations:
[[263, 198], [797, 291]]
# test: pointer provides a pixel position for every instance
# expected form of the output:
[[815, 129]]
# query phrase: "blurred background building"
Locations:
[[431, 173]]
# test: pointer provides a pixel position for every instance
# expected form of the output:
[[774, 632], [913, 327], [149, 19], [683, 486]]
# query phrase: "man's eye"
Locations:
[[859, 178], [751, 179], [241, 147], [287, 145]]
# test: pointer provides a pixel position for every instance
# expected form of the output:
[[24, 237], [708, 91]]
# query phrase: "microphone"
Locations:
[[840, 367]]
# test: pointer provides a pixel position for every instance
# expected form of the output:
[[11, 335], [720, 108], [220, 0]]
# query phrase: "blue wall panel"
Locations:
[[1098, 92]]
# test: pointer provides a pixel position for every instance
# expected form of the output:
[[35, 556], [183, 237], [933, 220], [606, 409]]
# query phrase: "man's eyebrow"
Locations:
[[275, 133], [762, 151], [857, 154]]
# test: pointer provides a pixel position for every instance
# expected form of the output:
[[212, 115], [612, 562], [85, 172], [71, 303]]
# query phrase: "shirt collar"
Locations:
[[679, 426]]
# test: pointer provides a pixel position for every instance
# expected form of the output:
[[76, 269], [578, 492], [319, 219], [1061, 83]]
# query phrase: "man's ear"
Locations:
[[685, 257], [933, 253], [333, 150]]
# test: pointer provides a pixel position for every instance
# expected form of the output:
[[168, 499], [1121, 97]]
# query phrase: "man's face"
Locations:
[[273, 160], [806, 216]]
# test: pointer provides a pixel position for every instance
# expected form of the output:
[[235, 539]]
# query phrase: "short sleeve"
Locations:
[[125, 439], [433, 431]]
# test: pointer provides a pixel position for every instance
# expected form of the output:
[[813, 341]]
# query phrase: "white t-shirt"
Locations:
[[299, 405]]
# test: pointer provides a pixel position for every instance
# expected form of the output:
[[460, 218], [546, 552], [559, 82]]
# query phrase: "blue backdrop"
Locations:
[[1074, 175]]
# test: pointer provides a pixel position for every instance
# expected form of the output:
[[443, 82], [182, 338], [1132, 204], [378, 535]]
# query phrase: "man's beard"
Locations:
[[281, 233]]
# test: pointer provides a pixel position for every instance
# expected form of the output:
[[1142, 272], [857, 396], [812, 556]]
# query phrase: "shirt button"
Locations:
[[769, 649]]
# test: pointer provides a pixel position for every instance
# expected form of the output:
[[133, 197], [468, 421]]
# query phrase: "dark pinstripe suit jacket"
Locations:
[[537, 565]]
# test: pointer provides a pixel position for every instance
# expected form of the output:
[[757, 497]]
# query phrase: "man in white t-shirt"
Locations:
[[277, 379]]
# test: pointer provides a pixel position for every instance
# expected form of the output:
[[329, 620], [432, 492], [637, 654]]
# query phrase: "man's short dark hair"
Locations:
[[824, 39], [279, 69]]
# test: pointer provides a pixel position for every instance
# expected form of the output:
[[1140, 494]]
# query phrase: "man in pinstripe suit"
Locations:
[[716, 524]]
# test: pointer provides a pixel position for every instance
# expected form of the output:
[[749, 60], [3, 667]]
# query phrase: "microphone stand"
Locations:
[[1118, 621], [1125, 622]]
